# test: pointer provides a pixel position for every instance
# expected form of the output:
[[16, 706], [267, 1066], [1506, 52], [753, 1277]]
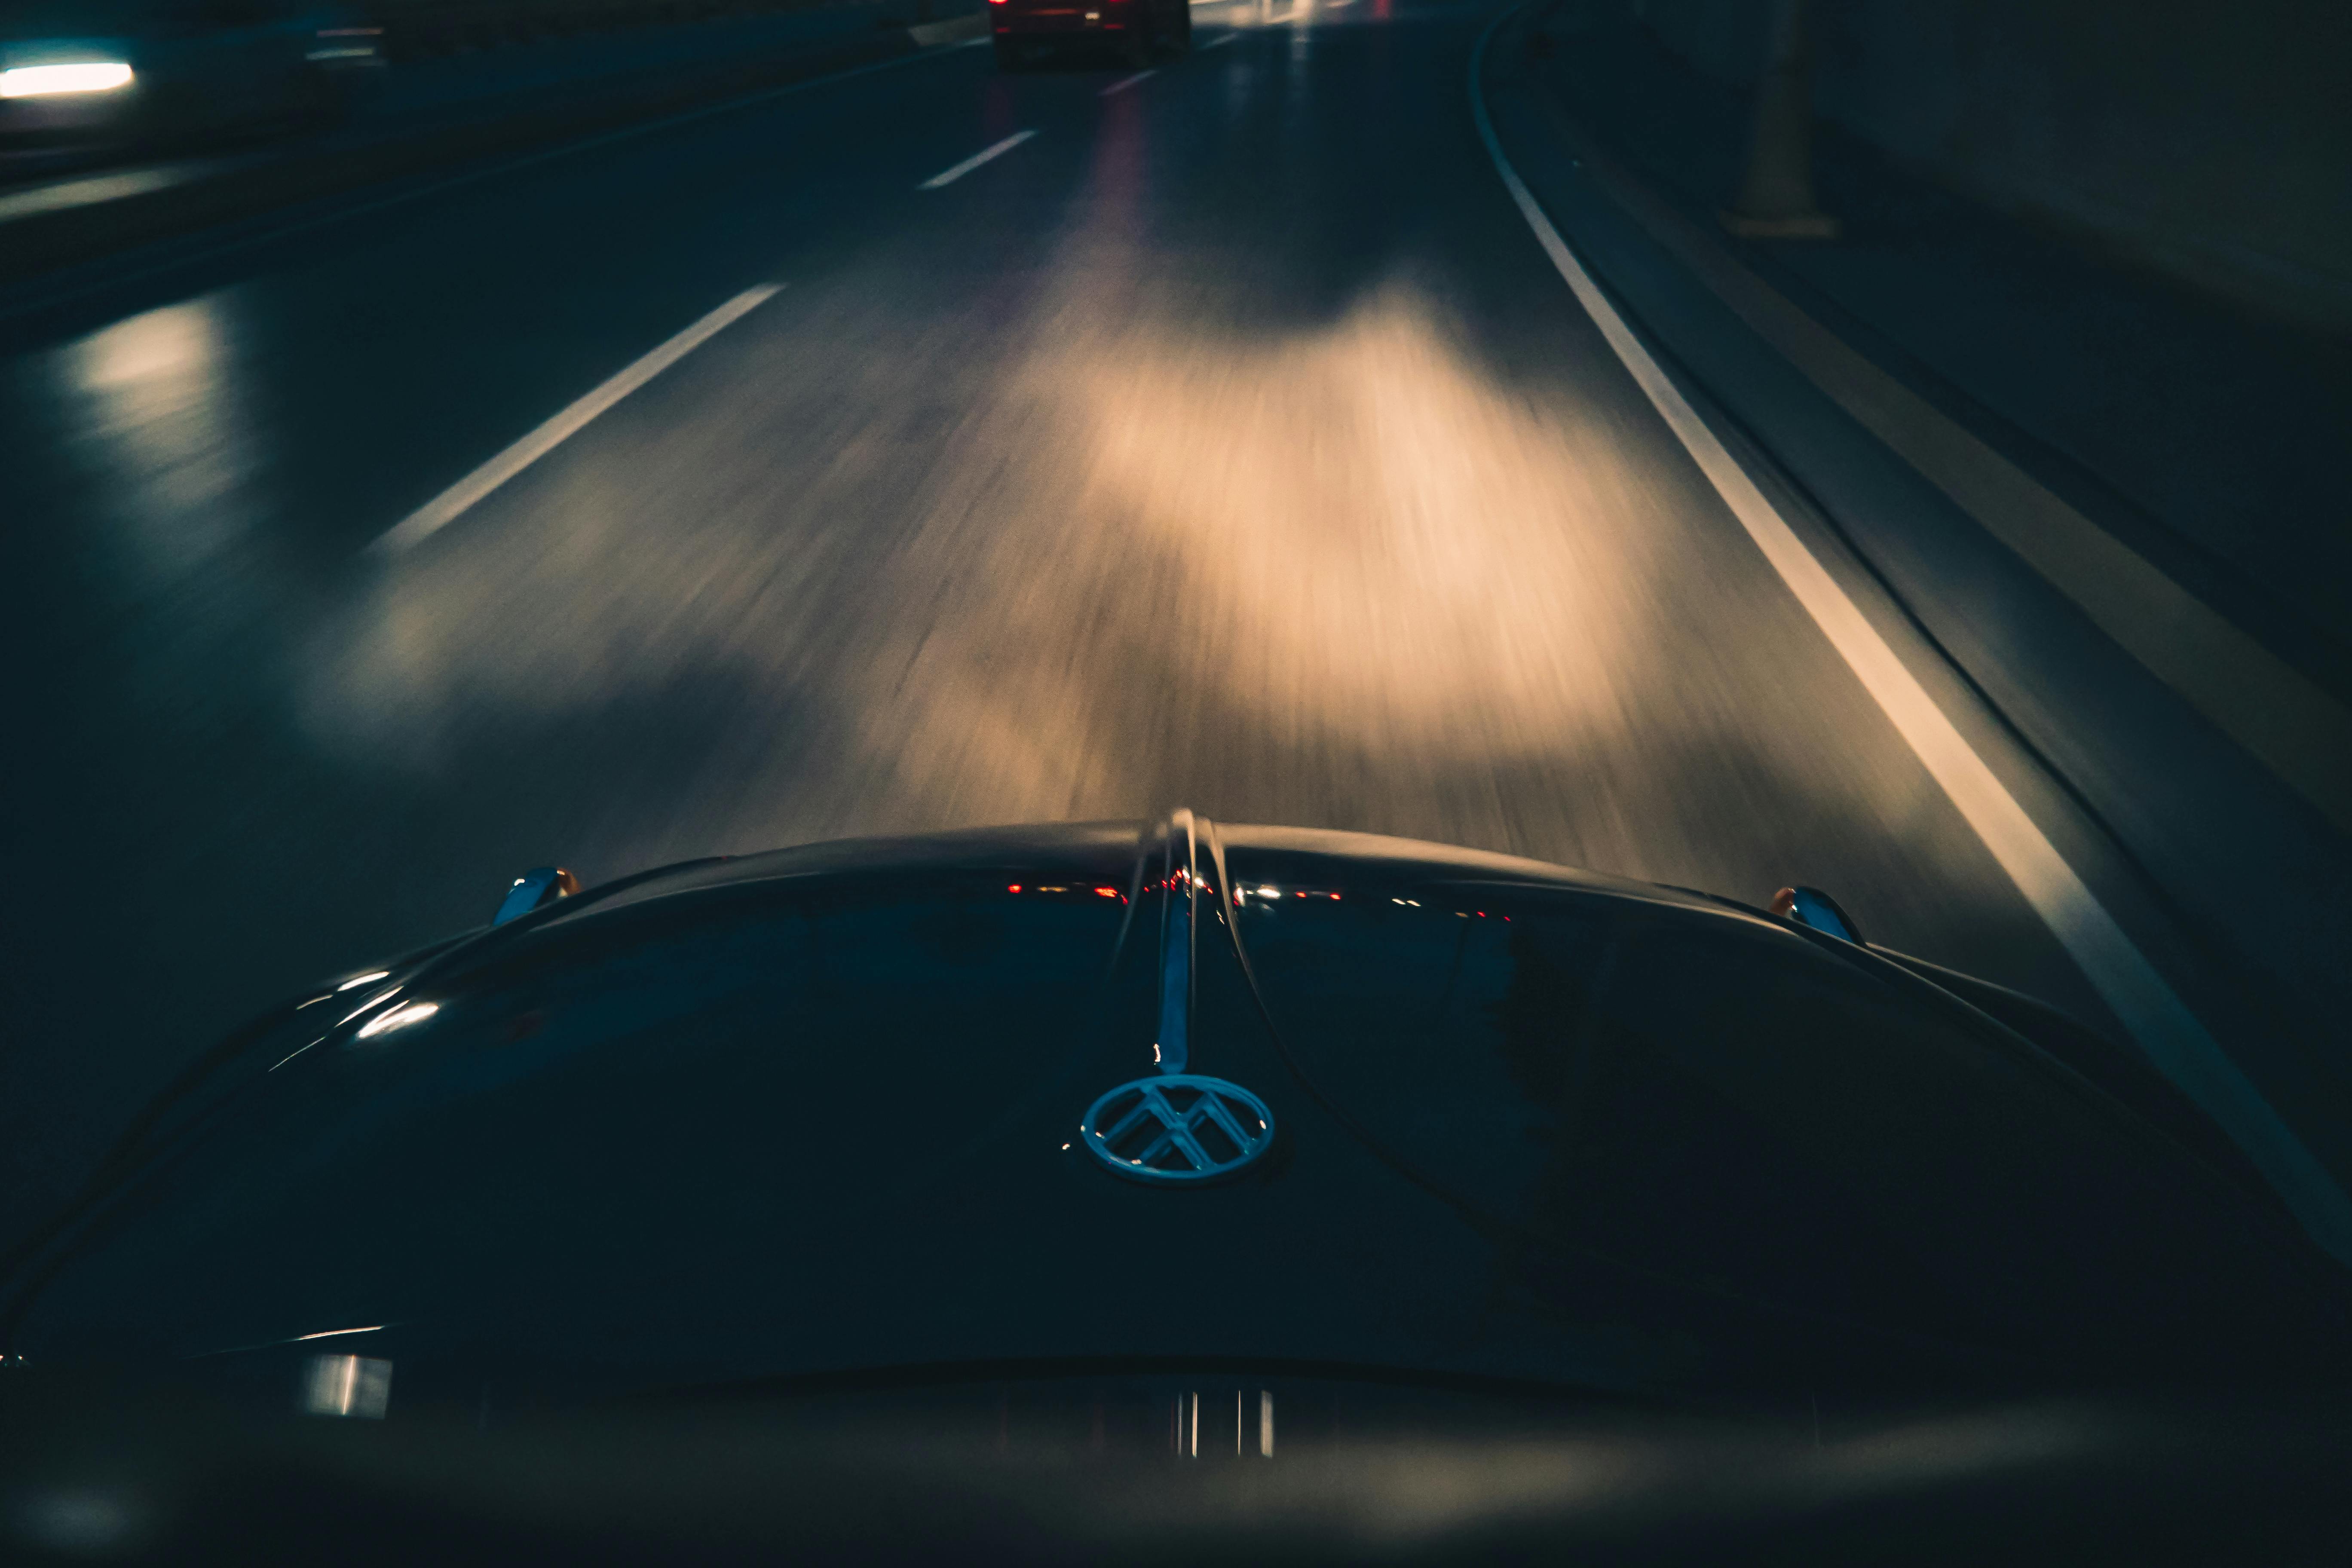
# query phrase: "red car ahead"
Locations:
[[1136, 28]]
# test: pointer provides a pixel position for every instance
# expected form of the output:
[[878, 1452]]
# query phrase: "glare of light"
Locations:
[[162, 358], [349, 1385], [399, 1018], [1107, 892], [45, 81], [172, 428], [1014, 888], [378, 1000], [79, 1523], [1269, 892], [296, 1052], [356, 981]]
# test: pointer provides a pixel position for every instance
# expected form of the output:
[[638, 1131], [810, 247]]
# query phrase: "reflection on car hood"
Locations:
[[818, 1113]]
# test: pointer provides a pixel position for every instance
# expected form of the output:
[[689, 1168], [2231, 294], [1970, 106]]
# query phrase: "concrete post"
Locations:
[[1776, 199]]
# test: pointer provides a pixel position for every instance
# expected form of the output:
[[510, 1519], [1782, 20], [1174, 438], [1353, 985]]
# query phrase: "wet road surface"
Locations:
[[1226, 441]]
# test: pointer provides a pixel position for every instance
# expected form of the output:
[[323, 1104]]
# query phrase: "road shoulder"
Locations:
[[2216, 843]]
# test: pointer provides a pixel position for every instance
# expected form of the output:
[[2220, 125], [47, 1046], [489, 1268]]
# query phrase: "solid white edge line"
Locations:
[[949, 177], [2179, 1045], [455, 502], [1125, 82]]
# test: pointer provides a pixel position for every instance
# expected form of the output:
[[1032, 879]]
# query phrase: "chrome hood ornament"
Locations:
[[1180, 1126]]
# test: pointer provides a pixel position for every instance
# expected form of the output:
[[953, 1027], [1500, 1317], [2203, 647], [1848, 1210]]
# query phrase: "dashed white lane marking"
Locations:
[[454, 502], [1125, 82], [2171, 1036], [949, 177], [1218, 42]]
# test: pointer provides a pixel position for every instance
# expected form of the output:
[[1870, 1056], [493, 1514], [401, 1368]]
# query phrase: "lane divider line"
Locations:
[[950, 177], [1218, 42], [1125, 82], [2174, 1040], [460, 498]]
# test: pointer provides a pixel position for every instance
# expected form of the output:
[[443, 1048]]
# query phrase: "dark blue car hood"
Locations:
[[814, 1115]]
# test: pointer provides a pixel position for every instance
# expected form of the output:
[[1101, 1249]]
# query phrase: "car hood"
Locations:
[[825, 1113]]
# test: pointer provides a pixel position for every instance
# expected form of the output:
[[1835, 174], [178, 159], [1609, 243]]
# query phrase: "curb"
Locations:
[[43, 243]]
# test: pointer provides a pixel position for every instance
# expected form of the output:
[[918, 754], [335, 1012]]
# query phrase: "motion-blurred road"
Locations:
[[1228, 442]]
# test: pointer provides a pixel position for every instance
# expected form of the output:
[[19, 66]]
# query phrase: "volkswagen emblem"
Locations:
[[1178, 1128]]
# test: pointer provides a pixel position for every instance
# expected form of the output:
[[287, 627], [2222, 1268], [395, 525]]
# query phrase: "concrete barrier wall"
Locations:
[[2213, 141]]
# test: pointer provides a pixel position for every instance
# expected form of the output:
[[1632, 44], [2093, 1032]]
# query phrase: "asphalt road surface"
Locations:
[[1226, 440]]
